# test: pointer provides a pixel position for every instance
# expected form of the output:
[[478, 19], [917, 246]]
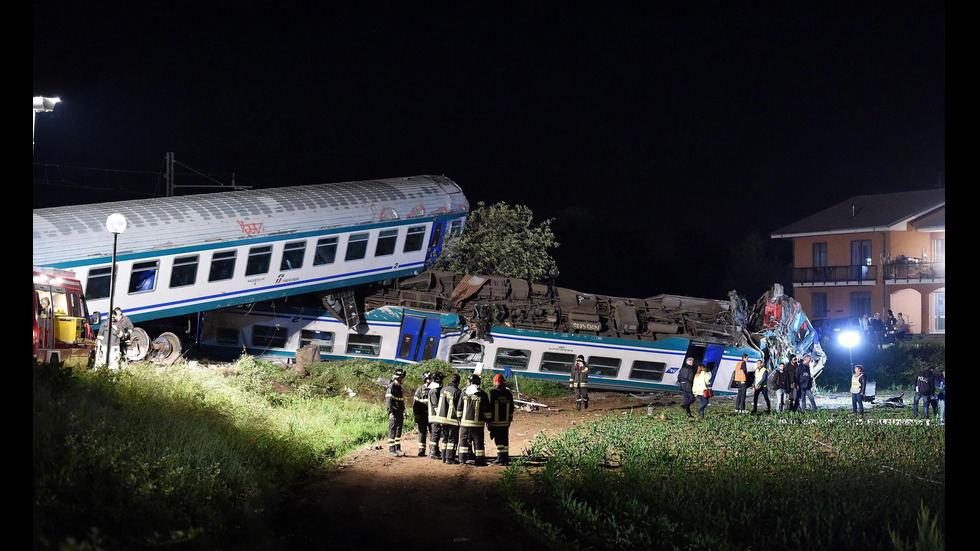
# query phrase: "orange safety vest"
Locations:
[[740, 372]]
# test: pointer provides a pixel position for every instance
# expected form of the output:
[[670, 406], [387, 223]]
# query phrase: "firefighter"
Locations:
[[449, 420], [501, 416], [395, 403], [420, 409], [473, 412], [122, 333], [579, 380], [435, 422]]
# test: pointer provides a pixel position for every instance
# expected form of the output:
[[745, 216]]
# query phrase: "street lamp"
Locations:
[[41, 105], [849, 339], [116, 224]]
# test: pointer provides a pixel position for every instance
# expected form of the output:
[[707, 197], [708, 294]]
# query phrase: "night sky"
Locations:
[[656, 138]]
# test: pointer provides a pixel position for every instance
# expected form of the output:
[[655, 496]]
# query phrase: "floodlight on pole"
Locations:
[[41, 105], [849, 339], [116, 224]]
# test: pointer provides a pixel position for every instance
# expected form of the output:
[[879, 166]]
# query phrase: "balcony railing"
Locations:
[[915, 271], [831, 275]]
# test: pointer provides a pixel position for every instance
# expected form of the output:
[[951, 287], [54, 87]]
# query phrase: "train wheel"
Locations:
[[138, 345], [166, 349]]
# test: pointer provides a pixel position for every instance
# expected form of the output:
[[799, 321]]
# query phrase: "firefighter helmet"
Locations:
[[580, 358], [399, 374], [438, 377], [427, 376], [473, 379], [498, 380]]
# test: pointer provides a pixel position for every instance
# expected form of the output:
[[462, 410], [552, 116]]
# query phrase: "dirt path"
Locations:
[[375, 501]]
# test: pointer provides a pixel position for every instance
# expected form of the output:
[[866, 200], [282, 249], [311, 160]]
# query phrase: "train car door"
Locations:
[[419, 338], [435, 242], [710, 355]]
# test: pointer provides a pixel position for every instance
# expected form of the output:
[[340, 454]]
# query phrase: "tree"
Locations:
[[502, 240]]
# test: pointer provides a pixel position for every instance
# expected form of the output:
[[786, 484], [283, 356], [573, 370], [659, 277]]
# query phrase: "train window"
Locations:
[[429, 348], [356, 246], [364, 345], [227, 336], [407, 346], [259, 259], [265, 336], [323, 339], [386, 243], [414, 239], [292, 255], [222, 266], [455, 227], [184, 271], [97, 285], [557, 362], [326, 251], [648, 371], [512, 358], [144, 276], [607, 367]]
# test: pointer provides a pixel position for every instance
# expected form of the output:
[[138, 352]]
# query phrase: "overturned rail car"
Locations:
[[190, 254], [534, 330]]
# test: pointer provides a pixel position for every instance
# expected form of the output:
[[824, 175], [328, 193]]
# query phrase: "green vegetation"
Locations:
[[892, 367], [735, 482], [502, 240]]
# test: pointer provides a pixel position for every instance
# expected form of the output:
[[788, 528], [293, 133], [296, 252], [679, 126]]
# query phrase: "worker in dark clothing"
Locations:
[[685, 382], [501, 416], [420, 409], [473, 412], [792, 372], [395, 403], [579, 381], [449, 399], [435, 422]]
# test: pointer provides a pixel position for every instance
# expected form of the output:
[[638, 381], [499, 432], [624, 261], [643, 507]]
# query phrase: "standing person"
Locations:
[[779, 385], [806, 384], [859, 384], [900, 328], [420, 409], [435, 422], [395, 403], [761, 387], [579, 380], [741, 382], [877, 330], [473, 412], [502, 415], [925, 388], [685, 382], [449, 399], [941, 396], [792, 371], [702, 387], [122, 332]]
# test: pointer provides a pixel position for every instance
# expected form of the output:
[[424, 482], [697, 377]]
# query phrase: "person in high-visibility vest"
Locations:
[[579, 381], [395, 403], [420, 409], [742, 383], [473, 412], [502, 415]]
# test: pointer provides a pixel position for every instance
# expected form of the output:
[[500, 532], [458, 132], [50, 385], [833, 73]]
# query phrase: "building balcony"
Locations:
[[835, 275], [913, 271]]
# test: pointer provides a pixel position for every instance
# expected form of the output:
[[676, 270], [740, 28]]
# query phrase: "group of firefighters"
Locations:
[[452, 419]]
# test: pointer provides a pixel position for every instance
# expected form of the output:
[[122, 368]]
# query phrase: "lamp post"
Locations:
[[849, 339], [116, 224], [41, 105]]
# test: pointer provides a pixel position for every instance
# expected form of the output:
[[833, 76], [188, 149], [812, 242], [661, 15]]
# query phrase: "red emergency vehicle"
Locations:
[[62, 328]]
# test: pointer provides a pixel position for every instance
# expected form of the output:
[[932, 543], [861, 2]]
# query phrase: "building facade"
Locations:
[[871, 254]]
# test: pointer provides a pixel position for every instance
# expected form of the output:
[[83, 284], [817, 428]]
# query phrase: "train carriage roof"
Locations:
[[77, 233]]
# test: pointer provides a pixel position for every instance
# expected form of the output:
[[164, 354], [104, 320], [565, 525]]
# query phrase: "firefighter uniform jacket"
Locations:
[[579, 378], [473, 409], [446, 410], [420, 407], [501, 407], [433, 393], [394, 400]]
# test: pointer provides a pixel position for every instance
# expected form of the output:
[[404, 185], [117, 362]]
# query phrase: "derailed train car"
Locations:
[[191, 254], [535, 330]]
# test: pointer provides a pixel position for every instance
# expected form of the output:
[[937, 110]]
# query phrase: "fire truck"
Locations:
[[62, 327]]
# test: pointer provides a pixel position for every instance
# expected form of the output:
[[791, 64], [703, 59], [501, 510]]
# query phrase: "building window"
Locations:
[[326, 251], [819, 305], [606, 367], [557, 362], [259, 259], [184, 272], [860, 303], [860, 259], [292, 255], [512, 358], [648, 371], [222, 266], [939, 307], [414, 239], [356, 246], [97, 285], [386, 243], [819, 255], [364, 345], [264, 336], [144, 276]]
